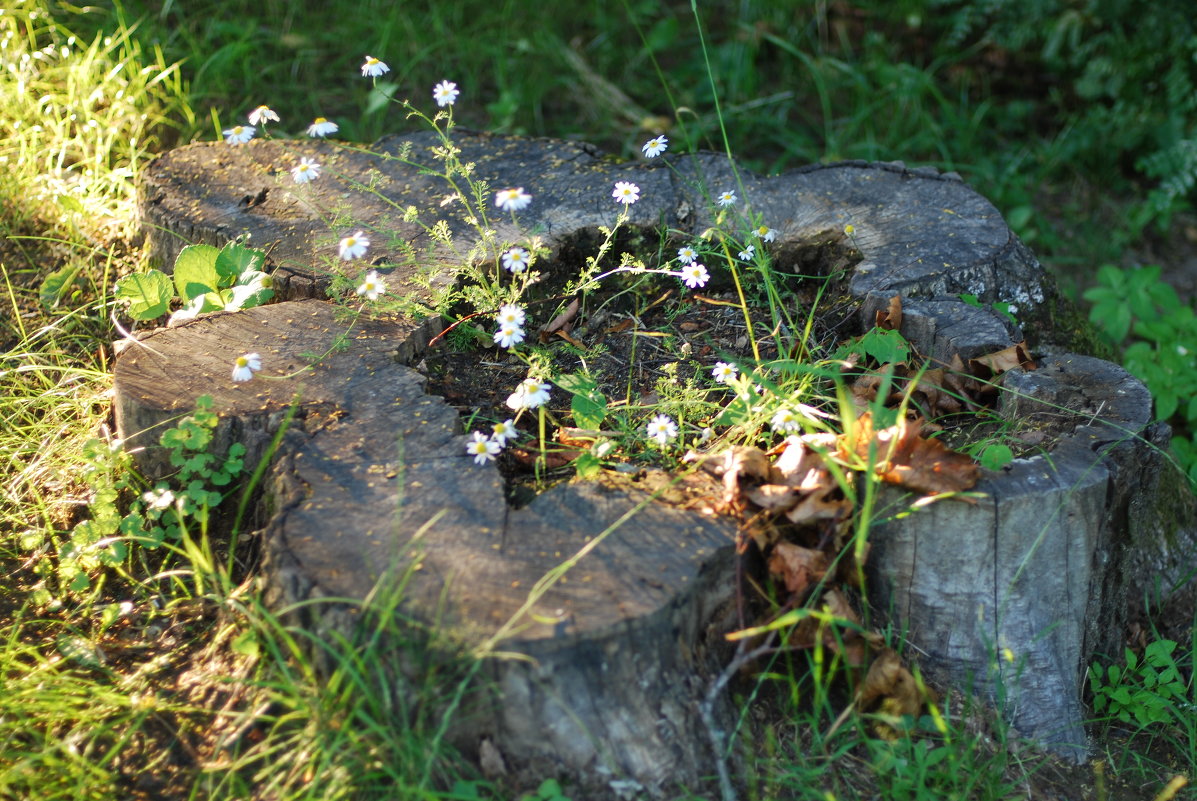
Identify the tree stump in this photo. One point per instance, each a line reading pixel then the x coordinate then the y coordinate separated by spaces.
pixel 375 478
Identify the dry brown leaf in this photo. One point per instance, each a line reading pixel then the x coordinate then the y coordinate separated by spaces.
pixel 936 398
pixel 799 568
pixel 561 322
pixel 773 497
pixel 891 688
pixel 1005 359
pixel 890 318
pixel 742 462
pixel 912 461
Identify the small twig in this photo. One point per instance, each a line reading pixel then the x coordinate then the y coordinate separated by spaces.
pixel 706 709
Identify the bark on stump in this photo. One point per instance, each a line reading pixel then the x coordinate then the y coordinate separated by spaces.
pixel 1041 567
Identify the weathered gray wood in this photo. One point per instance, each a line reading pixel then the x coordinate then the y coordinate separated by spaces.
pixel 1037 567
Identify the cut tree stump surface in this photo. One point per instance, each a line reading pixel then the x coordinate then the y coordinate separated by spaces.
pixel 374 477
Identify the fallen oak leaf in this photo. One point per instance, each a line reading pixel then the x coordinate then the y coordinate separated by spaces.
pixel 799 568
pixel 904 457
pixel 890 318
pixel 892 689
pixel 1006 359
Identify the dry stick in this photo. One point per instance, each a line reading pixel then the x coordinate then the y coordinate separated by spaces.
pixel 706 709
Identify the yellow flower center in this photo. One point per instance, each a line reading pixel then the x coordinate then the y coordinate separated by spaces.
pixel 242 361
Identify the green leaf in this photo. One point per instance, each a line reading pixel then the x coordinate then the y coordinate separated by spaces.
pixel 149 294
pixel 57 284
pixel 588 465
pixel 589 407
pixel 234 259
pixel 887 347
pixel 195 271
pixel 996 456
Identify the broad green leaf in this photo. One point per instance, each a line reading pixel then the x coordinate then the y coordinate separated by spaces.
pixel 588 465
pixel 56 284
pixel 996 456
pixel 149 294
pixel 246 297
pixel 234 259
pixel 887 347
pixel 588 405
pixel 195 271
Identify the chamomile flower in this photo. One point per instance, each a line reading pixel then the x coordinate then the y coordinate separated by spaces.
pixel 482 448
pixel 510 314
pixel 512 199
pixel 445 93
pixel 239 134
pixel 509 335
pixel 695 275
pixel 516 260
pixel 373 68
pixel 307 170
pixel 503 432
pixel 723 372
pixel 530 394
pixel 354 247
pixel 786 420
pixel 245 366
pixel 655 147
pixel 727 198
pixel 766 233
pixel 849 229
pixel 321 127
pixel 662 429
pixel 626 192
pixel 372 285
pixel 262 115
pixel 747 253
pixel 687 254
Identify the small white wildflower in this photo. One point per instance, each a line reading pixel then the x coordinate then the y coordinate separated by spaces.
pixel 695 275
pixel 662 429
pixel 445 93
pixel 748 253
pixel 849 229
pixel 786 420
pixel 687 254
pixel 512 199
pixel 510 314
pixel 373 68
pixel 262 115
pixel 626 192
pixel 723 372
pixel 354 247
pixel 655 147
pixel 529 394
pixel 706 435
pixel 509 335
pixel 766 233
pixel 516 260
pixel 727 198
pixel 159 498
pixel 245 366
pixel 503 432
pixel 482 448
pixel 322 127
pixel 372 285
pixel 239 134
pixel 307 170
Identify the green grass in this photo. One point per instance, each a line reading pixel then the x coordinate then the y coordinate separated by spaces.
pixel 88 96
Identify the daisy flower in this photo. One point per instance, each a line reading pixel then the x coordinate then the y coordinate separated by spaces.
pixel 626 192
pixel 510 314
pixel 373 68
pixel 354 247
pixel 662 429
pixel 655 147
pixel 482 448
pixel 503 432
pixel 239 134
pixel 509 335
pixel 786 420
pixel 723 372
pixel 766 233
pixel 747 253
pixel 695 275
pixel 322 127
pixel 512 199
pixel 529 394
pixel 849 229
pixel 516 260
pixel 445 93
pixel 687 254
pixel 245 366
pixel 372 286
pixel 727 198
pixel 307 170
pixel 262 115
